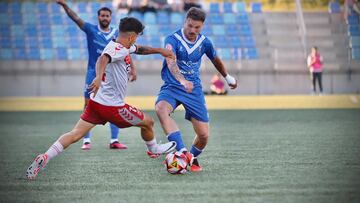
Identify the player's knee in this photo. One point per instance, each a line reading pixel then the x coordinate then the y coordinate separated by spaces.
pixel 149 122
pixel 203 137
pixel 161 111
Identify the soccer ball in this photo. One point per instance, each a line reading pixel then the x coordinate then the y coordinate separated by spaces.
pixel 176 163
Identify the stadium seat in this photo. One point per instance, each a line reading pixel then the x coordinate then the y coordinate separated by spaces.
pixel 232 30
pixel 207 30
pixel 28 7
pixel 46 43
pixel 252 53
pixel 216 19
pixel 242 18
pixel 334 7
pixel 6 54
pixel 74 42
pixel 245 30
pixel 59 42
pixel 355 53
pixel 214 8
pixel 57 31
pixel 14 7
pixel 225 53
pixel 56 19
pixel 41 7
pixel 54 8
pixel 82 7
pixel 16 19
pixel 355 41
pixel 19 54
pixel 240 7
pixel 176 18
pixel 229 18
pixel 150 18
pixel 354 30
pixel 31 31
pixel 154 41
pixel 218 30
pixel 33 54
pixel 4 7
pixel 17 30
pixel 137 15
pixel 5 42
pixel 163 18
pixel 151 30
pixel 61 54
pixel 248 42
pixel 94 6
pixel 4 18
pixel 166 29
pixel 227 6
pixel 353 19
pixel 43 19
pixel 256 7
pixel 220 41
pixel 46 54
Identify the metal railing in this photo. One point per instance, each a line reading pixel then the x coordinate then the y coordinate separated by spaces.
pixel 302 27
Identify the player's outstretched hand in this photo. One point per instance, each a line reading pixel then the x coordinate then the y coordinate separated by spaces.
pixel 132 75
pixel 188 85
pixel 233 86
pixel 95 85
pixel 167 54
pixel 231 81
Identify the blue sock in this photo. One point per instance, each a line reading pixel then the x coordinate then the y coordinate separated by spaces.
pixel 114 131
pixel 195 151
pixel 176 136
pixel 87 137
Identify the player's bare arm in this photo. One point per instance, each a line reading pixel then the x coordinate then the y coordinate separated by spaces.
pixel 133 73
pixel 219 65
pixel 101 63
pixel 145 50
pixel 175 71
pixel 71 13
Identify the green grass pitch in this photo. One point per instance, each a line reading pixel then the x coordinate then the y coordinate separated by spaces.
pixel 252 156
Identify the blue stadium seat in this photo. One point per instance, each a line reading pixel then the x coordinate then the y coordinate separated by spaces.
pixel 44 31
pixel 163 18
pixel 256 7
pixel 46 43
pixel 74 42
pixel 220 42
pixel 18 43
pixel 229 18
pixel 353 19
pixel 46 54
pixel 4 7
pixel 4 18
pixel 216 19
pixel 59 42
pixel 150 18
pixel 43 19
pixel 354 30
pixel 56 19
pixel 232 30
pixel 14 7
pixel 218 30
pixel 6 54
pixel 166 29
pixel 31 31
pixel 87 17
pixel 242 18
pixel 29 19
pixel 19 54
pixel 214 8
pixel 240 7
pixel 334 7
pixel 355 53
pixel 137 15
pixel 176 18
pixel 245 30
pixel 94 6
pixel 225 53
pixel 355 41
pixel 17 30
pixel 54 8
pixel 73 31
pixel 82 7
pixel 207 30
pixel 151 30
pixel 32 42
pixel 227 7
pixel 252 53
pixel 42 7
pixel 154 41
pixel 28 7
pixel 16 19
pixel 61 54
pixel 57 31
pixel 33 54
pixel 248 42
pixel 235 42
pixel 5 42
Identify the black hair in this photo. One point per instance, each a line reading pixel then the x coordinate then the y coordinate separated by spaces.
pixel 196 14
pixel 130 24
pixel 104 9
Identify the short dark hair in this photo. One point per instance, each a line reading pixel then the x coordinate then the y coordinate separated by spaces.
pixel 130 24
pixel 104 9
pixel 196 14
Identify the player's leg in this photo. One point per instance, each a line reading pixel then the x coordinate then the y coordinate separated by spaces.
pixel 320 82
pixel 313 80
pixel 86 141
pixel 201 139
pixel 114 142
pixel 64 141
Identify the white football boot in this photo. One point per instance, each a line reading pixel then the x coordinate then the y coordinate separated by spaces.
pixel 38 164
pixel 159 149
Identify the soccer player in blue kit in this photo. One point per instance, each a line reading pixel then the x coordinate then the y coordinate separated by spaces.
pixel 182 84
pixel 98 36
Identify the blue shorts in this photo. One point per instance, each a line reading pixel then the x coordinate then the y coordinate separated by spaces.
pixel 194 103
pixel 90 75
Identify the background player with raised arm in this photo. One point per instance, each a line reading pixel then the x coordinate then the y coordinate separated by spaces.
pixel 98 36
pixel 107 99
pixel 182 84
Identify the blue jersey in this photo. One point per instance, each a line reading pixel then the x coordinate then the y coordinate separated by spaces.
pixel 97 41
pixel 188 55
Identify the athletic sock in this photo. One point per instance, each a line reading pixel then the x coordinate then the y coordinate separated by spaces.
pixel 87 137
pixel 176 137
pixel 86 140
pixel 151 144
pixel 195 151
pixel 113 140
pixel 54 150
pixel 114 132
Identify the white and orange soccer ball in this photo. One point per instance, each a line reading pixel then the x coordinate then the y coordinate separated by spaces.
pixel 176 163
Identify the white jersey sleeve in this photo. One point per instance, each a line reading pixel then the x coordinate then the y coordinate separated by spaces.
pixel 115 51
pixel 133 49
